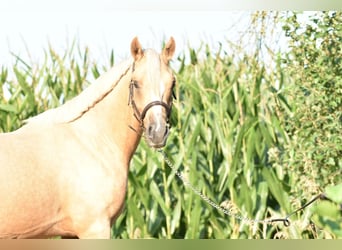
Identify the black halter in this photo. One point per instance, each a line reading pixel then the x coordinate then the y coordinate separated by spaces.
pixel 141 116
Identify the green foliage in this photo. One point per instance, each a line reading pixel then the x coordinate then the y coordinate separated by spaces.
pixel 315 66
pixel 33 88
pixel 334 193
pixel 258 138
pixel 315 94
pixel 327 215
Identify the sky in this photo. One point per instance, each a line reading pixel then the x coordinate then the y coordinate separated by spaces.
pixel 27 27
pixel 106 30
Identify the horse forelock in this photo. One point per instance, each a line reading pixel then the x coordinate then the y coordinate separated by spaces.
pixel 81 104
pixel 154 66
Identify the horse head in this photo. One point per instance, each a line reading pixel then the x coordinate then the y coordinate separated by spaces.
pixel 151 91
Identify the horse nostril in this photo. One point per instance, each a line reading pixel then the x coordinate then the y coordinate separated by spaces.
pixel 157 134
pixel 150 131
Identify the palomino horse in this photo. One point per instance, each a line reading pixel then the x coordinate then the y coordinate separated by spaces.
pixel 64 173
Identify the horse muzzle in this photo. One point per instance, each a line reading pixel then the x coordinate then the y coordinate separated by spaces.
pixel 157 127
pixel 156 134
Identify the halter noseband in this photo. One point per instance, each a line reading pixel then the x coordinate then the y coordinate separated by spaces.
pixel 141 116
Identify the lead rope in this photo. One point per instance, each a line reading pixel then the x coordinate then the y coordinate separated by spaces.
pixel 230 213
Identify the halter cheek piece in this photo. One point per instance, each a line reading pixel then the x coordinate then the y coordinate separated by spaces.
pixel 141 116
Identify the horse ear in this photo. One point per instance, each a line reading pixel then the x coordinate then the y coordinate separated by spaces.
pixel 136 49
pixel 169 50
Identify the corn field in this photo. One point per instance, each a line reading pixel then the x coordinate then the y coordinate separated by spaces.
pixel 236 137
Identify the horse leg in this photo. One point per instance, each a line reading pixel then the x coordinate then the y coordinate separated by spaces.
pixel 99 229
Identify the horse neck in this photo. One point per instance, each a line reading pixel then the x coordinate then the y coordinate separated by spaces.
pixel 112 120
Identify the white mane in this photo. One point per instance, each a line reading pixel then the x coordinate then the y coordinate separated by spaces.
pixel 76 107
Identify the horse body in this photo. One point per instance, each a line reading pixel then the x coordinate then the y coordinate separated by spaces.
pixel 53 186
pixel 64 173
